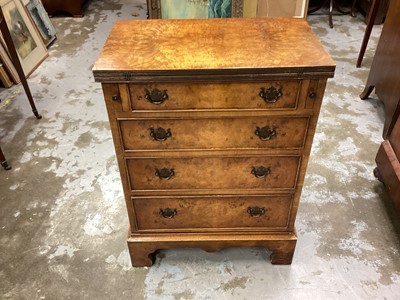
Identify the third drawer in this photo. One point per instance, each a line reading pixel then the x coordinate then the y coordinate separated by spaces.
pixel 212 173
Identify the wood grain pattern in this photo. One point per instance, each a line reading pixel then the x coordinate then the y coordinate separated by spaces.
pixel 214 133
pixel 174 47
pixel 213 213
pixel 238 95
pixel 195 187
pixel 193 173
pixel 388 171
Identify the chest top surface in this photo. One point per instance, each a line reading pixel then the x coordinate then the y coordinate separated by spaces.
pixel 212 46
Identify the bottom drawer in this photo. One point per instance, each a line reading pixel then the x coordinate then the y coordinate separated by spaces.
pixel 270 212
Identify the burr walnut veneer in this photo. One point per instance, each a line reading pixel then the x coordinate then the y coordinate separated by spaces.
pixel 212 122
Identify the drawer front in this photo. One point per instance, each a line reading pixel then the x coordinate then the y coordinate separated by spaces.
pixel 188 173
pixel 213 133
pixel 180 213
pixel 261 95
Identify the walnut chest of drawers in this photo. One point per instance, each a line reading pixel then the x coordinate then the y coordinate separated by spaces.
pixel 212 122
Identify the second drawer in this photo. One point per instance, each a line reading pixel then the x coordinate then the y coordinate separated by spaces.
pixel 214 133
pixel 196 173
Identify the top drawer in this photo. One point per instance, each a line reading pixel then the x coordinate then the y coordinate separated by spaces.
pixel 275 95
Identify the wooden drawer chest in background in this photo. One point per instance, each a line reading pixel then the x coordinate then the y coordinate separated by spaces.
pixel 73 7
pixel 213 122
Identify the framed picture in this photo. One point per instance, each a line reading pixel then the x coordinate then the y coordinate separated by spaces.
pixel 42 21
pixel 275 8
pixel 30 47
pixel 190 9
pixel 184 9
pixel 7 63
pixel 4 78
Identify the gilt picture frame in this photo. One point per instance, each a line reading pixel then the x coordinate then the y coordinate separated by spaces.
pixel 158 9
pixel 30 48
pixel 7 63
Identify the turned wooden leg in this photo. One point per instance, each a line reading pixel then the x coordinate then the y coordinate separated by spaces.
pixel 3 161
pixel 330 14
pixel 367 91
pixel 353 8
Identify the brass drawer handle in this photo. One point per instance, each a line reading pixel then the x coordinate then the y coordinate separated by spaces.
pixel 256 211
pixel 265 133
pixel 260 172
pixel 155 96
pixel 168 213
pixel 116 98
pixel 160 134
pixel 165 173
pixel 271 94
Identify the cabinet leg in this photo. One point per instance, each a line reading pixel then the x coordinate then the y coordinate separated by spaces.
pixel 141 256
pixel 5 165
pixel 283 254
pixel 367 91
pixel 377 174
pixel 371 20
pixel 330 14
pixel 142 248
pixel 3 161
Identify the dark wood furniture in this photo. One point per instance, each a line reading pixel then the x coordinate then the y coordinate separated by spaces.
pixel 18 67
pixel 370 23
pixel 384 76
pixel 365 7
pixel 212 129
pixel 3 161
pixel 388 163
pixel 73 7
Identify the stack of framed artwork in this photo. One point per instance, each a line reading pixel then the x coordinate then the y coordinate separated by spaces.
pixel 31 31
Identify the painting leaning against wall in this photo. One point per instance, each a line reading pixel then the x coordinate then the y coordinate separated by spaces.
pixel 30 48
pixel 22 38
pixel 199 9
pixel 41 19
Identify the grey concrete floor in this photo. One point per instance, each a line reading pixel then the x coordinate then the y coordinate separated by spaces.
pixel 63 222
